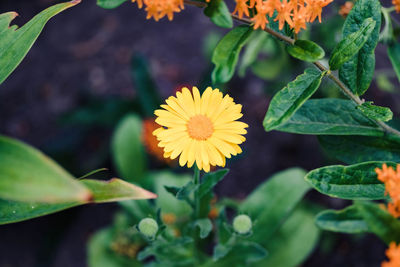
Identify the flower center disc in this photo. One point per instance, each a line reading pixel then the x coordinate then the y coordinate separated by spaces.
pixel 200 127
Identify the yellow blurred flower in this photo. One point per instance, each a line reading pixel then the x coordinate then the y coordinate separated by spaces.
pixel 396 4
pixel 345 9
pixel 391 179
pixel 150 141
pixel 393 254
pixel 201 129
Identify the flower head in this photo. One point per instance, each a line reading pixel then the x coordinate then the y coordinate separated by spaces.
pixel 157 9
pixel 391 179
pixel 151 142
pixel 393 254
pixel 396 4
pixel 201 129
pixel 345 9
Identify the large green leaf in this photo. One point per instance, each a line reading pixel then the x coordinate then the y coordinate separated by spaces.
pixel 26 174
pixel 15 43
pixel 226 54
pixel 102 191
pixel 379 221
pixel 271 202
pixel 330 117
pixel 358 72
pixel 219 13
pixel 349 46
pixel 101 255
pixel 127 149
pixel 394 56
pixel 348 220
pixel 306 50
pixel 288 100
pixel 110 4
pixel 293 242
pixel 351 150
pixel 357 181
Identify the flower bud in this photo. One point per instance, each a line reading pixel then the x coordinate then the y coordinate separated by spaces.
pixel 242 224
pixel 148 227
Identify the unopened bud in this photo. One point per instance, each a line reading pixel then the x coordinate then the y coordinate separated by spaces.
pixel 242 224
pixel 148 227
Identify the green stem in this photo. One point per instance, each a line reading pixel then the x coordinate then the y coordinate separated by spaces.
pixel 196 181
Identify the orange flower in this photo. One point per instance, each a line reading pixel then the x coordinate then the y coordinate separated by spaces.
pixel 396 4
pixel 157 9
pixel 241 8
pixel 345 9
pixel 139 3
pixel 391 179
pixel 169 218
pixel 393 254
pixel 314 9
pixel 284 10
pixel 150 141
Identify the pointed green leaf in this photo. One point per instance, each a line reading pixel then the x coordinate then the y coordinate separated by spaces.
pixel 15 43
pixel 379 221
pixel 288 100
pixel 330 117
pixel 26 174
pixel 110 4
pixel 219 13
pixel 102 191
pixel 205 227
pixel 348 220
pixel 376 112
pixel 210 180
pixel 127 149
pixel 226 54
pixel 306 50
pixel 357 181
pixel 358 72
pixel 351 150
pixel 351 45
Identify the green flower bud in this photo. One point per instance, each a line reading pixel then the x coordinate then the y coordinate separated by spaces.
pixel 148 227
pixel 242 224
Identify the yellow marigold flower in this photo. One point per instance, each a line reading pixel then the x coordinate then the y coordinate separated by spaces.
pixel 393 254
pixel 345 9
pixel 201 129
pixel 391 179
pixel 150 141
pixel 396 4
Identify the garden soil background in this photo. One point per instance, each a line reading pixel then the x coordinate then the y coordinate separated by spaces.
pixel 83 54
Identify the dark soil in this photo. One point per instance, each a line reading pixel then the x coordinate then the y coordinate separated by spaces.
pixel 85 53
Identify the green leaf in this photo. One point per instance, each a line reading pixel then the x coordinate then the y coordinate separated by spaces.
pixel 110 4
pixel 205 227
pixel 348 220
pixel 102 191
pixel 376 112
pixel 257 41
pixel 15 43
pixel 351 44
pixel 293 242
pixel 358 72
pixel 288 100
pixel 271 202
pixel 127 149
pixel 226 54
pixel 306 50
pixel 379 221
pixel 394 56
pixel 145 86
pixel 26 174
pixel 209 180
pixel 244 253
pixel 351 150
pixel 219 13
pixel 357 181
pixel 101 255
pixel 330 117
